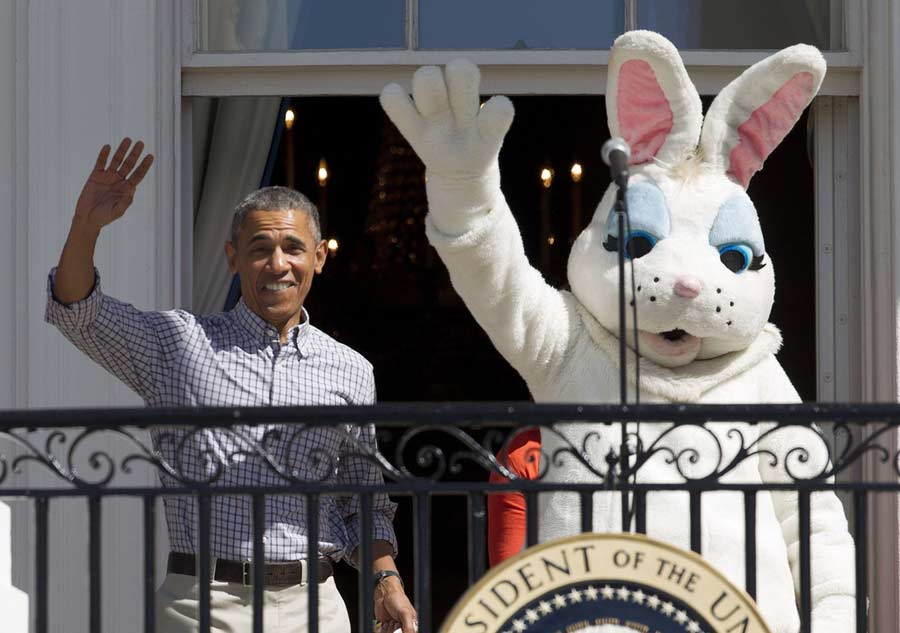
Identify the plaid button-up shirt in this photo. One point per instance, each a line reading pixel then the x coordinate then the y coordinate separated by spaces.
pixel 174 359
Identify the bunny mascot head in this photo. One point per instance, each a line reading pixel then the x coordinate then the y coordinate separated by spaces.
pixel 703 290
pixel 706 282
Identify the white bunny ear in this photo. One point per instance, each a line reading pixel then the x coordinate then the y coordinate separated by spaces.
pixel 650 100
pixel 754 113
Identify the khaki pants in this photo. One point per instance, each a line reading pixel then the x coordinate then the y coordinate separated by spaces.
pixel 284 609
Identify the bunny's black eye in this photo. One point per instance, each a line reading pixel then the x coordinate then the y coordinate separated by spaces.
pixel 739 257
pixel 639 244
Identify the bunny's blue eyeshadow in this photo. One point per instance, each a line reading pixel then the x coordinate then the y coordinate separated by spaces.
pixel 737 223
pixel 647 211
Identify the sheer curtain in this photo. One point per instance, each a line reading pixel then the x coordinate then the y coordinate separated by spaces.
pixel 235 25
pixel 232 140
pixel 240 132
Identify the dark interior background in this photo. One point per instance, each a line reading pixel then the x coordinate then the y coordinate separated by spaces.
pixel 385 293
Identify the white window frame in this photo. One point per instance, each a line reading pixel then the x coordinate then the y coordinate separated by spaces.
pixel 857 285
pixel 836 140
pixel 365 72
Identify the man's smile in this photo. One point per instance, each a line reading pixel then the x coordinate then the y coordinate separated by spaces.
pixel 278 286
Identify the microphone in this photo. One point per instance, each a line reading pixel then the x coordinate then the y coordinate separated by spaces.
pixel 615 153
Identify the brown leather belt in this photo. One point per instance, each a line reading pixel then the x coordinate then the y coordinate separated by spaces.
pixel 274 574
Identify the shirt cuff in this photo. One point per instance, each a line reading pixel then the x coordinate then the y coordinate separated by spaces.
pixel 73 316
pixel 382 530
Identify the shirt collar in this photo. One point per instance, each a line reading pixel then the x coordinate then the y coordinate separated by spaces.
pixel 259 329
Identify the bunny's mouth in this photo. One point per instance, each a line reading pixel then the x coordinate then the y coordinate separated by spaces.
pixel 675 342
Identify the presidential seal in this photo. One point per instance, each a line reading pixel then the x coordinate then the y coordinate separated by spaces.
pixel 605 583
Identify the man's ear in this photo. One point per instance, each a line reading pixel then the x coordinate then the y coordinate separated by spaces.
pixel 231 256
pixel 321 255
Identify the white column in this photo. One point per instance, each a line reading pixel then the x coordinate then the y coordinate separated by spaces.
pixel 73 76
pixel 880 285
pixel 13 602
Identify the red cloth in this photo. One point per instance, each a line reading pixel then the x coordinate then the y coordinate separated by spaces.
pixel 506 512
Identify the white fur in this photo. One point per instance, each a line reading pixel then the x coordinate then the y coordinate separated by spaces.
pixel 754 87
pixel 673 79
pixel 565 347
pixel 693 203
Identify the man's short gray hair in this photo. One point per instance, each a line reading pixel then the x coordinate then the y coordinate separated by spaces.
pixel 275 199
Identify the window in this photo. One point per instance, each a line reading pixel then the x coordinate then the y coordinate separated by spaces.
pixel 275 25
pixel 521 55
pixel 239 25
pixel 385 292
pixel 520 24
pixel 737 24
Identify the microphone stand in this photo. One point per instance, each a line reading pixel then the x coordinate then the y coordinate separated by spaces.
pixel 621 210
pixel 615 154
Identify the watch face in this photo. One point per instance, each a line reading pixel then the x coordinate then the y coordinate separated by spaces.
pixel 381 575
pixel 604 583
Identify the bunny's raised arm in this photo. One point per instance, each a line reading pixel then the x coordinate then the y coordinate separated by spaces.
pixel 469 222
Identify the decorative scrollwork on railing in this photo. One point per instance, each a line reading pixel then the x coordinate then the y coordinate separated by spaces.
pixel 59 454
pixel 697 453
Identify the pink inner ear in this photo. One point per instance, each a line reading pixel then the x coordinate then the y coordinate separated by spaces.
pixel 645 118
pixel 767 127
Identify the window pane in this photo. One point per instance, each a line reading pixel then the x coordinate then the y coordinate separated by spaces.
pixel 520 24
pixel 738 24
pixel 242 25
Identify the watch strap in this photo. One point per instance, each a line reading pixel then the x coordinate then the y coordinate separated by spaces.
pixel 382 574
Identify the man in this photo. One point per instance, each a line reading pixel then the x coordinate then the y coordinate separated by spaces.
pixel 264 352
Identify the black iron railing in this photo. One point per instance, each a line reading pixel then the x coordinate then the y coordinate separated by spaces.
pixel 430 452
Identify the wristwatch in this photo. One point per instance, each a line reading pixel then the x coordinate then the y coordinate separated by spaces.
pixel 381 575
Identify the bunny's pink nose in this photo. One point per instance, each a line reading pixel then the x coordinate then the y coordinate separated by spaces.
pixel 687 287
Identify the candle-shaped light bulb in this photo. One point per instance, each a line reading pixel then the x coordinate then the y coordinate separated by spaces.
pixel 333 245
pixel 576 172
pixel 289 118
pixel 322 173
pixel 546 177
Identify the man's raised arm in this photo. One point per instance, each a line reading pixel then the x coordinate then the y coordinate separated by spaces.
pixel 106 195
pixel 114 334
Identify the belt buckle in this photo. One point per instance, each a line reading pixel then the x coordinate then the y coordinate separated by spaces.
pixel 245 573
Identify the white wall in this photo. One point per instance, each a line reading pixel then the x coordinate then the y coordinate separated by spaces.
pixel 880 300
pixel 8 182
pixel 73 76
pixel 91 80
pixel 13 603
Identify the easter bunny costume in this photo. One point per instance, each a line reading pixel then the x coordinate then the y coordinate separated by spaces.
pixel 704 288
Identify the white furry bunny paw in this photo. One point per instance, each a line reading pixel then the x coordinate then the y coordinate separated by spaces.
pixel 458 140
